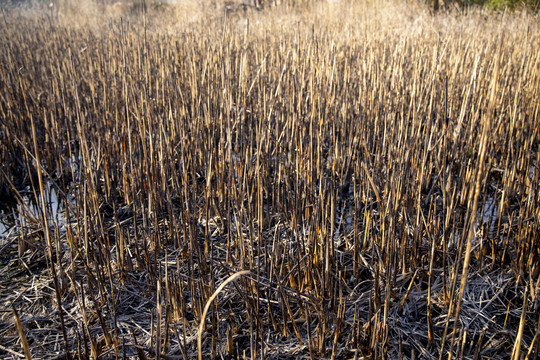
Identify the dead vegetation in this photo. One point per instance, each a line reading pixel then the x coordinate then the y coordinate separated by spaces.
pixel 367 176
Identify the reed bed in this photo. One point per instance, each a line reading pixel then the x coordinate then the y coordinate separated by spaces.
pixel 364 176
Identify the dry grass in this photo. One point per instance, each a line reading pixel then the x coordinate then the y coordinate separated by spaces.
pixel 372 169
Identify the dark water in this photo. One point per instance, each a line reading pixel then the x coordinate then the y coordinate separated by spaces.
pixel 28 212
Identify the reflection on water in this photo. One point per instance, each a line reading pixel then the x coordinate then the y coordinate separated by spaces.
pixel 3 227
pixel 489 214
pixel 486 216
pixel 28 212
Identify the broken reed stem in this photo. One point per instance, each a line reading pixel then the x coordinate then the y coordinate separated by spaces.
pixel 470 236
pixel 516 354
pixel 48 236
pixel 22 335
pixel 476 194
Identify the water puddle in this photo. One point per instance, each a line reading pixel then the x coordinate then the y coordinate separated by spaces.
pixel 4 227
pixel 486 221
pixel 489 213
pixel 26 214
